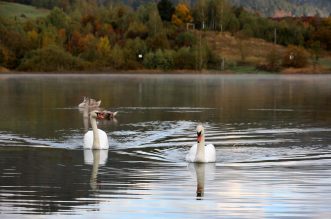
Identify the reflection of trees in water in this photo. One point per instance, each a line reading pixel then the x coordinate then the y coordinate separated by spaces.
pixel 47 176
pixel 34 100
pixel 58 179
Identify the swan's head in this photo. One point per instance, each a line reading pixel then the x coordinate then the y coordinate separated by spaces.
pixel 97 114
pixel 200 132
pixel 100 115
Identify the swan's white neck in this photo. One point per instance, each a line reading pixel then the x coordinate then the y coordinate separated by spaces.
pixel 96 140
pixel 200 155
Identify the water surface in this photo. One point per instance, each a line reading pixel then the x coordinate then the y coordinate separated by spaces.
pixel 271 132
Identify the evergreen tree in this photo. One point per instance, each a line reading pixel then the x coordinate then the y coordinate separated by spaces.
pixel 166 10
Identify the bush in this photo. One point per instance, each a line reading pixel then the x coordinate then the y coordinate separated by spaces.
pixel 273 62
pixel 186 39
pixel 160 60
pixel 149 61
pixel 137 29
pixel 51 58
pixel 296 57
pixel 214 61
pixel 132 50
pixel 184 58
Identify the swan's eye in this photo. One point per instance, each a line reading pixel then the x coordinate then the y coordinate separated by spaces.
pixel 199 133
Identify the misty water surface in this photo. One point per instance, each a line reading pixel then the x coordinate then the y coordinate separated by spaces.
pixel 272 134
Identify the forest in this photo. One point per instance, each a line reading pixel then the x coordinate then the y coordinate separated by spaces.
pixel 109 35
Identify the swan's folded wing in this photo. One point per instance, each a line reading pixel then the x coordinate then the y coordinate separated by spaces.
pixel 210 153
pixel 190 157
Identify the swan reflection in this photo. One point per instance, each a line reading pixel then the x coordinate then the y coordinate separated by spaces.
pixel 96 158
pixel 202 172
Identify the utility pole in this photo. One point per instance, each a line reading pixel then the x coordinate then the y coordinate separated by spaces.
pixel 275 36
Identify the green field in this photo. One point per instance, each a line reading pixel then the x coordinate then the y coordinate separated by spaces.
pixel 20 12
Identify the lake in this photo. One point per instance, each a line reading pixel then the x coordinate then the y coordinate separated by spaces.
pixel 272 134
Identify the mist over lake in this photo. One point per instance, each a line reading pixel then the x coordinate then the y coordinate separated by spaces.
pixel 271 134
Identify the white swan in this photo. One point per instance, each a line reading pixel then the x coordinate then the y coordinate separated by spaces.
pixel 96 139
pixel 200 153
pixel 89 102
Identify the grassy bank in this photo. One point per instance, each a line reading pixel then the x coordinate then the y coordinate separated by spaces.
pixel 20 12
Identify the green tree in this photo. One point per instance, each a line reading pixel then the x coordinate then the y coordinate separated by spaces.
pixel 137 29
pixel 103 46
pixel 200 12
pixel 185 58
pixel 186 39
pixel 58 18
pixel 315 52
pixel 117 57
pixel 51 58
pixel 133 49
pixel 161 59
pixel 154 23
pixel 166 10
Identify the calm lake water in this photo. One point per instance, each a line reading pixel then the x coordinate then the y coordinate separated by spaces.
pixel 272 134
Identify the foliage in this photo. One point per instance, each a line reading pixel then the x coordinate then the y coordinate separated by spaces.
pixel 273 62
pixel 58 18
pixel 51 58
pixel 166 9
pixel 94 33
pixel 137 29
pixel 295 56
pixel 158 41
pixel 182 15
pixel 117 59
pixel 185 58
pixel 161 59
pixel 186 39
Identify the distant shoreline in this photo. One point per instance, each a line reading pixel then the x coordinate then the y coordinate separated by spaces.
pixel 287 71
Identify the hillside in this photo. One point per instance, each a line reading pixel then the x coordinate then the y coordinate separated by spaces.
pixel 269 8
pixel 19 11
pixel 281 8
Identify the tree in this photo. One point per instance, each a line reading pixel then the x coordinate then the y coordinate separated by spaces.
pixel 187 39
pixel 154 22
pixel 200 13
pixel 137 29
pixel 161 59
pixel 184 58
pixel 295 56
pixel 158 41
pixel 166 10
pixel 132 49
pixel 51 58
pixel 58 18
pixel 103 48
pixel 117 58
pixel 182 15
pixel 315 52
pixel 33 39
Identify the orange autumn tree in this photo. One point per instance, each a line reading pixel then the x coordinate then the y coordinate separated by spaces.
pixel 182 15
